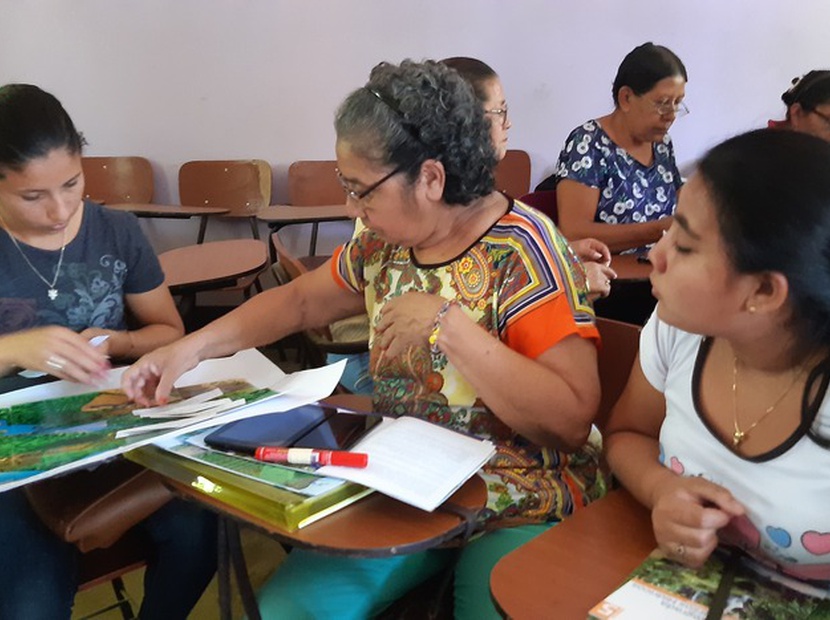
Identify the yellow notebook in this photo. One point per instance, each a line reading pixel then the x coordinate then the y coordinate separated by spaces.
pixel 283 508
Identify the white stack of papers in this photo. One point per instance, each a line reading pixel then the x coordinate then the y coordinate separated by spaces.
pixel 415 461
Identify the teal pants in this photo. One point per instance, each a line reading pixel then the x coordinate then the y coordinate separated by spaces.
pixel 311 585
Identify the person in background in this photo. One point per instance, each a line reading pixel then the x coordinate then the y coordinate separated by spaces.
pixel 616 178
pixel 480 322
pixel 724 425
pixel 595 255
pixel 73 270
pixel 808 105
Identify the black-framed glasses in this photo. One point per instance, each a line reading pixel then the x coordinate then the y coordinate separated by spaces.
pixel 822 116
pixel 665 108
pixel 500 112
pixel 358 196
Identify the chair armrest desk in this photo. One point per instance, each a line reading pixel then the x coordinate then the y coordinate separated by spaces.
pixel 565 571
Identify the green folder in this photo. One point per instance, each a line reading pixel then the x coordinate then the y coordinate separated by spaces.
pixel 282 508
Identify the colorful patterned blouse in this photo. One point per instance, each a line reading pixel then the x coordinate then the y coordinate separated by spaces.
pixel 630 193
pixel 518 282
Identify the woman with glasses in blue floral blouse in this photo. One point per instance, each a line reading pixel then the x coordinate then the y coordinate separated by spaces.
pixel 616 179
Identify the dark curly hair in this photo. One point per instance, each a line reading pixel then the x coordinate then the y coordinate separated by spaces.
pixel 32 123
pixel 415 111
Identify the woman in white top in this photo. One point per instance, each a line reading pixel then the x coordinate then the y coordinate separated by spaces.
pixel 723 430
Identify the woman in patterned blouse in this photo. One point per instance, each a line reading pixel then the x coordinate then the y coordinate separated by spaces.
pixel 619 169
pixel 479 322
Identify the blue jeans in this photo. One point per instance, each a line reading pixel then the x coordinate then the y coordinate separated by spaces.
pixel 39 572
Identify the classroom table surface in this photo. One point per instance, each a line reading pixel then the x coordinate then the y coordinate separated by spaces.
pixel 213 265
pixel 629 268
pixel 375 526
pixel 167 211
pixel 565 571
pixel 278 216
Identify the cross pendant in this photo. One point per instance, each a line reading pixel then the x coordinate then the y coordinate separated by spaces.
pixel 53 294
pixel 737 438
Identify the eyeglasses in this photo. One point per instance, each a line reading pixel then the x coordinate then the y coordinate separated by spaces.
pixel 358 196
pixel 502 112
pixel 666 108
pixel 822 116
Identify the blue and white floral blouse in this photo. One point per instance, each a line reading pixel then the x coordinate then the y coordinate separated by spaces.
pixel 630 193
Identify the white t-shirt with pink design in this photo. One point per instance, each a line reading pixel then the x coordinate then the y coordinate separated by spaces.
pixel 786 492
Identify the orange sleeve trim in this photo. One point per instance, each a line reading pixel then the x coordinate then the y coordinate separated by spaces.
pixel 535 332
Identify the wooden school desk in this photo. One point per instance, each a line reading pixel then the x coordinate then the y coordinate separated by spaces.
pixel 173 212
pixel 571 567
pixel 630 300
pixel 375 526
pixel 210 266
pixel 629 269
pixel 166 211
pixel 279 216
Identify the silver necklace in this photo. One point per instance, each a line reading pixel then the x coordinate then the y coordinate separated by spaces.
pixel 53 292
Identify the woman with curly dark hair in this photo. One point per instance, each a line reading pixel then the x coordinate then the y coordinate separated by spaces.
pixel 478 323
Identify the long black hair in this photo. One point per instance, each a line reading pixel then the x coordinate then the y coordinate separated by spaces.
pixel 32 123
pixel 771 194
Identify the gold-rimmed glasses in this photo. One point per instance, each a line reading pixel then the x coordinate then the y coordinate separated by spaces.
pixel 500 112
pixel 666 108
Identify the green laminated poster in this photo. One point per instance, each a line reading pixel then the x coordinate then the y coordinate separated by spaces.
pixel 47 437
pixel 730 586
pixel 246 491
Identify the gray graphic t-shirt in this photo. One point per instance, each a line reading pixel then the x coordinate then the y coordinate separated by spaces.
pixel 107 259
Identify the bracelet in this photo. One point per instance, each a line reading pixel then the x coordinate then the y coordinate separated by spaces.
pixel 436 326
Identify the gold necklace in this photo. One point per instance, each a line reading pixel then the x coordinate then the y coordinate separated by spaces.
pixel 53 292
pixel 738 435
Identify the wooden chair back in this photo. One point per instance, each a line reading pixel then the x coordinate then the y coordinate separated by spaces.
pixel 110 565
pixel 113 180
pixel 243 186
pixel 314 183
pixel 620 344
pixel 513 173
pixel 544 201
pixel 345 336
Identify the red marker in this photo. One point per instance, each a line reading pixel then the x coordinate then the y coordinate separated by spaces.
pixel 310 456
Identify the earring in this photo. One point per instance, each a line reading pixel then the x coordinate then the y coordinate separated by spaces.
pixel 752 309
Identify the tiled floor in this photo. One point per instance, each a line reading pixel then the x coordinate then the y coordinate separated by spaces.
pixel 262 555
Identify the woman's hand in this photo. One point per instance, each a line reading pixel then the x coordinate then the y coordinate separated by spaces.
pixel 687 514
pixel 407 321
pixel 598 279
pixel 590 249
pixel 148 382
pixel 114 342
pixel 57 351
